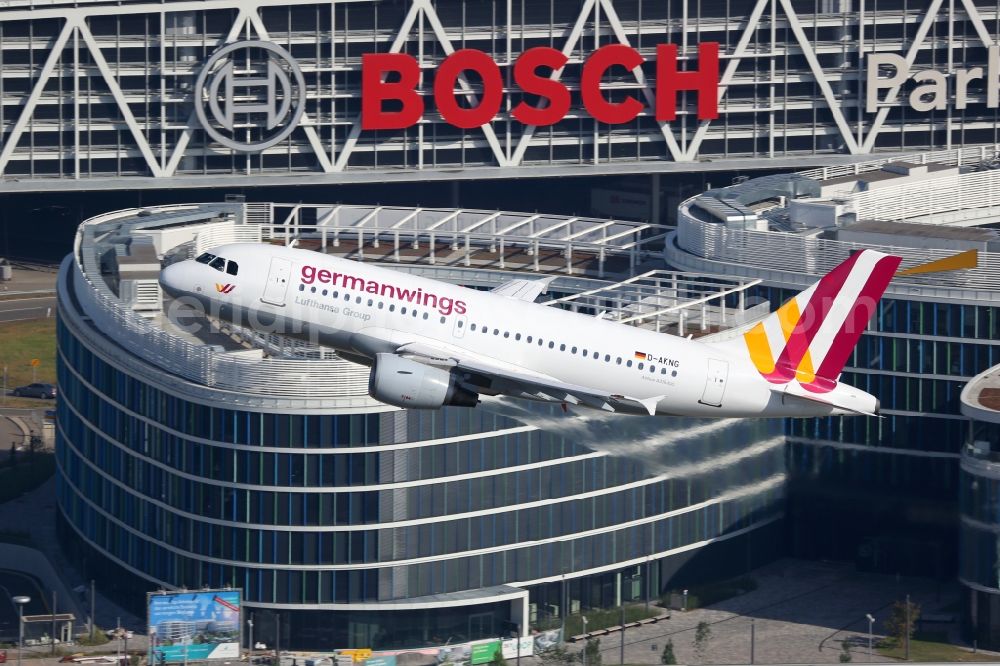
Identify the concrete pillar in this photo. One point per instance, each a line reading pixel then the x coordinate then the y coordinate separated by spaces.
pixel 519 613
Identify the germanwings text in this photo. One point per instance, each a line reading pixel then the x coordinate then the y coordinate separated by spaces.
pixel 443 304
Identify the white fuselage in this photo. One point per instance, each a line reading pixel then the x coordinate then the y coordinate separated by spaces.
pixel 362 309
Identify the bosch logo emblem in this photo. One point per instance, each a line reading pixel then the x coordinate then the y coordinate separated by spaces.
pixel 250 95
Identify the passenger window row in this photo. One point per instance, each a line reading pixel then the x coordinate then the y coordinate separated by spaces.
pixel 403 310
pixel 530 339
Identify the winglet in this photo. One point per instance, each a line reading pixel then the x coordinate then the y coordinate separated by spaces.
pixel 524 290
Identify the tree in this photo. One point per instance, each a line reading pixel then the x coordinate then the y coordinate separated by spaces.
pixel 896 625
pixel 498 659
pixel 667 657
pixel 592 650
pixel 702 633
pixel 557 655
pixel 845 653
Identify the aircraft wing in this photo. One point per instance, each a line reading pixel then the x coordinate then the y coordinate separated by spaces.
pixel 494 378
pixel 524 290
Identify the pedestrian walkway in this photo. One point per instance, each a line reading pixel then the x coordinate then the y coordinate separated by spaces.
pixel 800 613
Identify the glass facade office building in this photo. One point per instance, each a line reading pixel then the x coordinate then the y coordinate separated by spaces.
pixel 980 508
pixel 887 488
pixel 137 94
pixel 902 493
pixel 364 526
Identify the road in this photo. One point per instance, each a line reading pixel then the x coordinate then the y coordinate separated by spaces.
pixel 32 307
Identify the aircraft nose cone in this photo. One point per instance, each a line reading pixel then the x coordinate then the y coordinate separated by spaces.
pixel 171 280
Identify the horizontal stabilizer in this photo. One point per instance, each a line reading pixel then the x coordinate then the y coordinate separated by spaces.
pixel 794 390
pixel 958 262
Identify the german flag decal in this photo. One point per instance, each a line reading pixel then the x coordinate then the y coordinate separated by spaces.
pixel 640 356
pixel 224 288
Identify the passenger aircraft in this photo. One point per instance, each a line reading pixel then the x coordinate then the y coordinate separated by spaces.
pixel 431 343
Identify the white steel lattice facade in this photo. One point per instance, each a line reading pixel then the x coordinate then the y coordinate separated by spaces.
pixel 101 92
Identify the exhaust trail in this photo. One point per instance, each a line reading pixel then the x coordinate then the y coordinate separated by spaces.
pixel 717 463
pixel 659 442
pixel 585 421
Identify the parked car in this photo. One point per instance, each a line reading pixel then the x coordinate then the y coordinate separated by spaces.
pixel 47 391
pixel 107 660
pixel 114 633
pixel 3 656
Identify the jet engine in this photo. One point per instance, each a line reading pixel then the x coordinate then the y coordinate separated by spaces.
pixel 404 383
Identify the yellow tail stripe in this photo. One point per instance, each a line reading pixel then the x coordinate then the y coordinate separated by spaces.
pixel 806 372
pixel 788 317
pixel 760 349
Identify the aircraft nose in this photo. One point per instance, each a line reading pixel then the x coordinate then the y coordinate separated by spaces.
pixel 174 280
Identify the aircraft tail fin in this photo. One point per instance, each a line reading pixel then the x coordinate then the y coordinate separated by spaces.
pixel 810 338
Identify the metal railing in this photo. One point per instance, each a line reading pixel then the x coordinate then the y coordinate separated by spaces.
pixel 935 196
pixel 667 301
pixel 971 156
pixel 966 195
pixel 794 253
pixel 468 232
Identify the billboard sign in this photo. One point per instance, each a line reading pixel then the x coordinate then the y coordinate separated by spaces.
pixel 382 660
pixel 483 653
pixel 195 626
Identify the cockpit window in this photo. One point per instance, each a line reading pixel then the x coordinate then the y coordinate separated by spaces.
pixel 232 268
pixel 218 264
pixel 205 258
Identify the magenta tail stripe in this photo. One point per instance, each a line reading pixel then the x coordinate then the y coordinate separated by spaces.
pixel 855 323
pixel 812 317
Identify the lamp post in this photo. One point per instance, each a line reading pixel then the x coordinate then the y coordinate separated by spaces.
pixel 909 629
pixel 151 659
pixel 519 644
pixel 250 651
pixel 871 623
pixel 20 601
pixel 585 640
